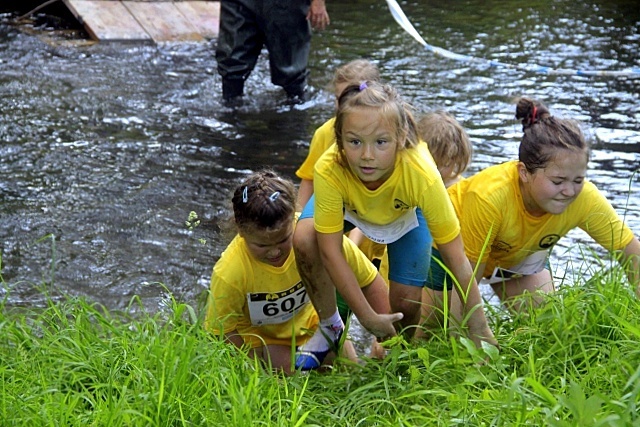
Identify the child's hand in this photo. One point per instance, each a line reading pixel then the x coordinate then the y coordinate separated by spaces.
pixel 382 325
pixel 484 334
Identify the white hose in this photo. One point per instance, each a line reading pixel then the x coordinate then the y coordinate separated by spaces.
pixel 404 22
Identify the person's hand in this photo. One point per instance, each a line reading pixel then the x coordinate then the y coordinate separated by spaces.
pixel 377 350
pixel 485 335
pixel 318 16
pixel 382 324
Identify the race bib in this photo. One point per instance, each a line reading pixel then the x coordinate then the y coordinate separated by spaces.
pixel 387 233
pixel 532 264
pixel 269 308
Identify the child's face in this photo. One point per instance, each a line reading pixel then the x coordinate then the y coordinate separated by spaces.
pixel 552 189
pixel 369 146
pixel 270 246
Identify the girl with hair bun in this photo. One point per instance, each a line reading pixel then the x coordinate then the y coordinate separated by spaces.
pixel 512 214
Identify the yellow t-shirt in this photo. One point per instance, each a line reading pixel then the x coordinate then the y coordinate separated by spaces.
pixel 491 200
pixel 322 139
pixel 257 299
pixel 414 182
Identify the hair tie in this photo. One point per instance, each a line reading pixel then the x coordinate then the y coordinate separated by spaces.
pixel 273 197
pixel 363 86
pixel 533 115
pixel 245 194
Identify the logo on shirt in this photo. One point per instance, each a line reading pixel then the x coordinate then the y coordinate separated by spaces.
pixel 549 240
pixel 500 246
pixel 400 205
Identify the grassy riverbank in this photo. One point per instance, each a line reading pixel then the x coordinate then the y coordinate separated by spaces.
pixel 574 362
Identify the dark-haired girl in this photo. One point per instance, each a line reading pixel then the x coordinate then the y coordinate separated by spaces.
pixel 256 299
pixel 512 214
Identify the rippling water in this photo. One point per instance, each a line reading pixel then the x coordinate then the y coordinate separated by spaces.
pixel 106 148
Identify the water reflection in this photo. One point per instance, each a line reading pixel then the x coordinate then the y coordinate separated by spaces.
pixel 106 148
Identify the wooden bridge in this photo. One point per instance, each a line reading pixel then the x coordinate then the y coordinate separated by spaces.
pixel 148 20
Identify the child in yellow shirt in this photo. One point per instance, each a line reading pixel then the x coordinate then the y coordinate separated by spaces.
pixel 380 178
pixel 448 143
pixel 512 214
pixel 257 300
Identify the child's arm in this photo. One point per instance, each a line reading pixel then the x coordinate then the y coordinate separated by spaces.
pixel 456 260
pixel 381 325
pixel 305 191
pixel 479 270
pixel 631 255
pixel 356 236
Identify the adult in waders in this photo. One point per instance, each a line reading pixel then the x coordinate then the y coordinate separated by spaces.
pixel 283 27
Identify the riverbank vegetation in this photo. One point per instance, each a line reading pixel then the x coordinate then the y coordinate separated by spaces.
pixel 573 362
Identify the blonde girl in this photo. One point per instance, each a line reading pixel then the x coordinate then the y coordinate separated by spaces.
pixel 324 137
pixel 352 72
pixel 381 179
pixel 448 143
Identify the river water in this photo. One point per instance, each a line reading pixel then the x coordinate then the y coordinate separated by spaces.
pixel 105 149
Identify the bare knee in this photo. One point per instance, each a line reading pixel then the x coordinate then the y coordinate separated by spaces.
pixel 527 291
pixel 432 308
pixel 305 244
pixel 407 300
pixel 305 247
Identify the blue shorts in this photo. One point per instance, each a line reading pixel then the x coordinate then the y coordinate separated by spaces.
pixel 437 274
pixel 409 256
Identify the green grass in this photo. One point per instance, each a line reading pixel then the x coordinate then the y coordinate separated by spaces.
pixel 573 362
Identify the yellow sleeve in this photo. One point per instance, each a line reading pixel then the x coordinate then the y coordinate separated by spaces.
pixel 224 307
pixel 328 211
pixel 480 223
pixel 603 224
pixel 322 139
pixel 440 214
pixel 363 269
pixel 430 193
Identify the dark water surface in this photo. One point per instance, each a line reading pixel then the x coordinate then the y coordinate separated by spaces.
pixel 106 148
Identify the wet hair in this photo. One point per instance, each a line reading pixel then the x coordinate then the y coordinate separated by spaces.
pixel 544 134
pixel 264 200
pixel 356 71
pixel 384 98
pixel 448 142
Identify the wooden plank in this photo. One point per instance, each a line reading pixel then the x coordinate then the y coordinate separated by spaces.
pixel 203 15
pixel 107 20
pixel 163 22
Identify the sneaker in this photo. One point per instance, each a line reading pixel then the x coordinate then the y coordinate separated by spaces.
pixel 307 360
